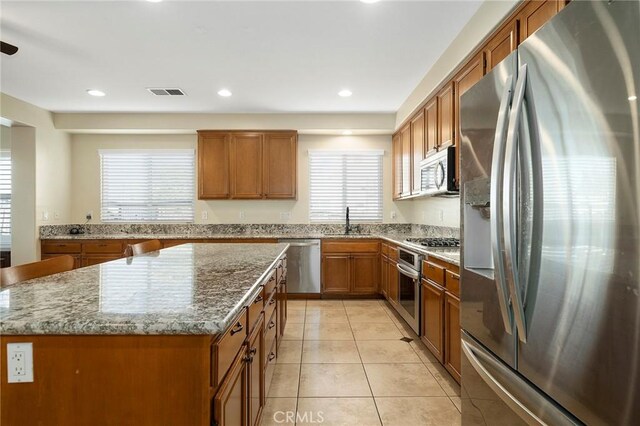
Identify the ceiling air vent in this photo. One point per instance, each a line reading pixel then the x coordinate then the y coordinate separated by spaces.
pixel 166 92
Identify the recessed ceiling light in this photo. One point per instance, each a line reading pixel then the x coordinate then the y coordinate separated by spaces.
pixel 347 132
pixel 633 97
pixel 345 93
pixel 369 1
pixel 225 93
pixel 95 92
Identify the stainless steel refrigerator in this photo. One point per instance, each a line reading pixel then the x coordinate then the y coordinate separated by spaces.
pixel 550 170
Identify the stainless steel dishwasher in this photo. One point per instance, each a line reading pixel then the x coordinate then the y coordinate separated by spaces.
pixel 303 266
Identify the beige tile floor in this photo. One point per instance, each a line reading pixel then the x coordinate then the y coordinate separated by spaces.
pixel 343 363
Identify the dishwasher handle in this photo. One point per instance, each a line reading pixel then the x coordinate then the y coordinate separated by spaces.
pixel 303 244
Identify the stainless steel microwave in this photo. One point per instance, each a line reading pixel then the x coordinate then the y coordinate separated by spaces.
pixel 438 173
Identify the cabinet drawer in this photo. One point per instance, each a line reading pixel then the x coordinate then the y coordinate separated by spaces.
pixel 270 285
pixel 452 283
pixel 270 305
pixel 103 247
pixel 270 331
pixel 254 309
pixel 226 349
pixel 385 249
pixel 350 246
pixel 393 252
pixel 61 247
pixel 433 272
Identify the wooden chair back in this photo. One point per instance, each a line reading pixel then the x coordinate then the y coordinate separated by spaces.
pixel 144 247
pixel 54 265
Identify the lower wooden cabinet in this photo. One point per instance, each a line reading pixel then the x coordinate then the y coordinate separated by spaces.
pixel 351 267
pixel 384 276
pixel 365 273
pixel 433 318
pixel 230 403
pixel 335 273
pixel 452 355
pixel 95 260
pixel 393 282
pixel 255 373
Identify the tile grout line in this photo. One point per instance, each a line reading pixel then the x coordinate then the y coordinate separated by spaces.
pixel 375 404
pixel 304 323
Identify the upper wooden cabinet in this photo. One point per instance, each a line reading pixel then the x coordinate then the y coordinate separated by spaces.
pixel 280 176
pixel 536 13
pixel 213 166
pixel 397 165
pixel 418 143
pixel 405 135
pixel 247 165
pixel 501 44
pixel 446 119
pixel 431 127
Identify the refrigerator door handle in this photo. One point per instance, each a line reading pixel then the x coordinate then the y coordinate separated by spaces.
pixel 509 212
pixel 495 203
pixel 520 396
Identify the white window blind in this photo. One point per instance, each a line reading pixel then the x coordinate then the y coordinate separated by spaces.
pixel 340 179
pixel 5 196
pixel 147 185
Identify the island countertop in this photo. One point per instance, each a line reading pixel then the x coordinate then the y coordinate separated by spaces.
pixel 188 289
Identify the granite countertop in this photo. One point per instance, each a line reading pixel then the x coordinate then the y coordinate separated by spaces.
pixel 187 289
pixel 451 255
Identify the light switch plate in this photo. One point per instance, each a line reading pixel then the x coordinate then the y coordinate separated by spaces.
pixel 204 215
pixel 19 362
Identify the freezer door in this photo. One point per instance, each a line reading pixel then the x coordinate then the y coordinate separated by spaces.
pixel 485 312
pixel 582 306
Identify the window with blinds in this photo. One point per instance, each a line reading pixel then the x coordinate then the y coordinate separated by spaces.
pixel 339 179
pixel 5 198
pixel 147 185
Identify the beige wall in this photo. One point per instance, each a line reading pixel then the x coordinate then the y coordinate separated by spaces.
pixel 86 178
pixel 24 236
pixel 52 163
pixel 436 211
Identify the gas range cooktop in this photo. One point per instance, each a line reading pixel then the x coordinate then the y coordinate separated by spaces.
pixel 435 242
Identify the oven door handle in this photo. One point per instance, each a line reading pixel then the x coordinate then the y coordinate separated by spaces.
pixel 408 272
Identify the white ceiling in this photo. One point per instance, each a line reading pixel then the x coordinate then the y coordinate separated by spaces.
pixel 275 56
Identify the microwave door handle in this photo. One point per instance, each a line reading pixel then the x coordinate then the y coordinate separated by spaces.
pixel 495 205
pixel 509 206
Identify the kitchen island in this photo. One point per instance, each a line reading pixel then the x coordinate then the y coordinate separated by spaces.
pixel 177 336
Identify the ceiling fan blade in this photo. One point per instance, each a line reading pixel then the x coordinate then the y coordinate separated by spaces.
pixel 8 49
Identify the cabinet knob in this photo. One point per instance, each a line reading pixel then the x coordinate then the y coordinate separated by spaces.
pixel 272 356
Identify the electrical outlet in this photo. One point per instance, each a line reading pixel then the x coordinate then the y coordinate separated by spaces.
pixel 204 215
pixel 19 362
pixel 242 215
pixel 285 216
pixel 89 215
pixel 441 215
pixel 45 215
pixel 394 215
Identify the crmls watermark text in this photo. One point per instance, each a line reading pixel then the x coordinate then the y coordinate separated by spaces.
pixel 312 417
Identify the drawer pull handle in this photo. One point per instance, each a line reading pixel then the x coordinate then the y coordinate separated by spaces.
pixel 253 351
pixel 271 325
pixel 272 356
pixel 258 299
pixel 272 301
pixel 248 359
pixel 238 328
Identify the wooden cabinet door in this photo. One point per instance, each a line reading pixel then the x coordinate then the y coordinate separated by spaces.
pixel 452 335
pixel 393 282
pixel 213 165
pixel 97 259
pixel 365 273
pixel 384 276
pixel 446 136
pixel 433 318
pixel 255 373
pixel 463 81
pixel 535 14
pixel 431 127
pixel 397 165
pixel 279 165
pixel 336 273
pixel 417 142
pixel 405 135
pixel 230 403
pixel 501 44
pixel 246 165
pixel 77 259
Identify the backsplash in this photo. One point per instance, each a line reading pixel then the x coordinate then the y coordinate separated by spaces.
pixel 206 230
